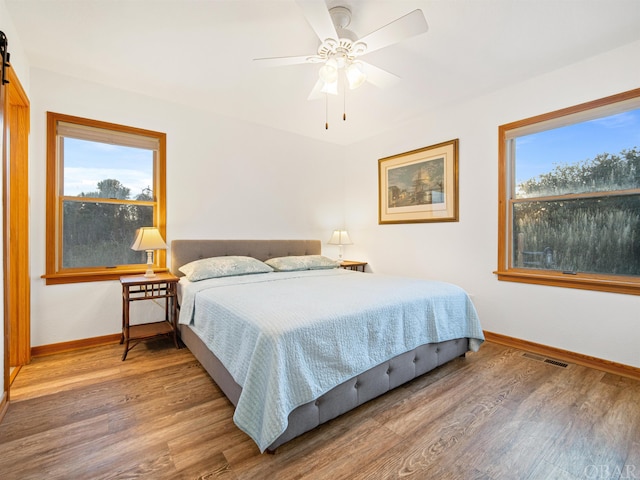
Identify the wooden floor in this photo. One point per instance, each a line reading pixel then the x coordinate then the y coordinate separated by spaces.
pixel 492 415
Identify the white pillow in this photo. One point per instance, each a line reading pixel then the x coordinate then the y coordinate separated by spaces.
pixel 301 262
pixel 223 267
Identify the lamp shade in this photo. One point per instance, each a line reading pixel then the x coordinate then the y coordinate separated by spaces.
pixel 329 72
pixel 340 237
pixel 330 87
pixel 355 75
pixel 148 238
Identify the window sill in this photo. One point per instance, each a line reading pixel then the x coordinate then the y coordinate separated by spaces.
pixel 81 277
pixel 626 285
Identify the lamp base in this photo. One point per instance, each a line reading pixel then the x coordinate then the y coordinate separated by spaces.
pixel 149 273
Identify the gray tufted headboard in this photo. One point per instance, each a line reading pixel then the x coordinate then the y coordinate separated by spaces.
pixel 185 251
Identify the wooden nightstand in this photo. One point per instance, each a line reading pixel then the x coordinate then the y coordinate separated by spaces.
pixel 353 265
pixel 139 287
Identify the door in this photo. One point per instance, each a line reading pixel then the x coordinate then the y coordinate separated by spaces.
pixel 17 297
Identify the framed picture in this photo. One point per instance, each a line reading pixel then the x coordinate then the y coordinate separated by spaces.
pixel 420 185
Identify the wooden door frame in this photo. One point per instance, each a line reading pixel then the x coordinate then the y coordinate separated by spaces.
pixel 17 302
pixel 4 400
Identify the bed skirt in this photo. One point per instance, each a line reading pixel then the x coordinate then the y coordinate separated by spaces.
pixel 346 396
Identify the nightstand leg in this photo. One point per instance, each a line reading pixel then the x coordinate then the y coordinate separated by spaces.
pixel 122 330
pixel 174 315
pixel 125 322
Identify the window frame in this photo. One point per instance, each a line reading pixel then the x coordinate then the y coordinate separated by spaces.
pixel 55 273
pixel 505 271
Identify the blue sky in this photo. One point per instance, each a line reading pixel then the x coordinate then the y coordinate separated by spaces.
pixel 87 163
pixel 541 152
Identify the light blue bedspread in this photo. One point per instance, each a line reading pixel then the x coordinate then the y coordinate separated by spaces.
pixel 289 337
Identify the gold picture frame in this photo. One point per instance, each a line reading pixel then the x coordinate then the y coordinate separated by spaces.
pixel 420 185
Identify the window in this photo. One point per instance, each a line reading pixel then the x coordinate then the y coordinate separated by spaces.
pixel 569 197
pixel 104 181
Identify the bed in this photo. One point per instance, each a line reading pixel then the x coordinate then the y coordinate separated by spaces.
pixel 293 349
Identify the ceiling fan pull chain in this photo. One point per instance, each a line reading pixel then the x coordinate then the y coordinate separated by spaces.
pixel 344 103
pixel 326 111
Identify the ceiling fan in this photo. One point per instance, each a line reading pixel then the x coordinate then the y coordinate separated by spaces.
pixel 340 49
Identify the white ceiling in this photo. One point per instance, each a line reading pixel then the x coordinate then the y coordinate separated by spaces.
pixel 200 53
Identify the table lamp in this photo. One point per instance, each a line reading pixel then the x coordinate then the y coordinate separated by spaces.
pixel 340 238
pixel 148 239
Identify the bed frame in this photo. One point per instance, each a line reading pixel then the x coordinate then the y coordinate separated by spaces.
pixel 344 397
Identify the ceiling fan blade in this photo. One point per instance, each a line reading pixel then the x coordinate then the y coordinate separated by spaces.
pixel 410 25
pixel 379 77
pixel 281 61
pixel 318 17
pixel 316 92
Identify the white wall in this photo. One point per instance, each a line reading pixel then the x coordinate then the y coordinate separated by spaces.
pixel 602 325
pixel 225 179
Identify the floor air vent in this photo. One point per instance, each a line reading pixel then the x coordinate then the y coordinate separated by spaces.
pixel 550 361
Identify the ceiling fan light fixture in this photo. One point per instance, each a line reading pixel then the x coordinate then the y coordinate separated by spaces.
pixel 330 87
pixel 329 71
pixel 355 74
pixel 341 59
